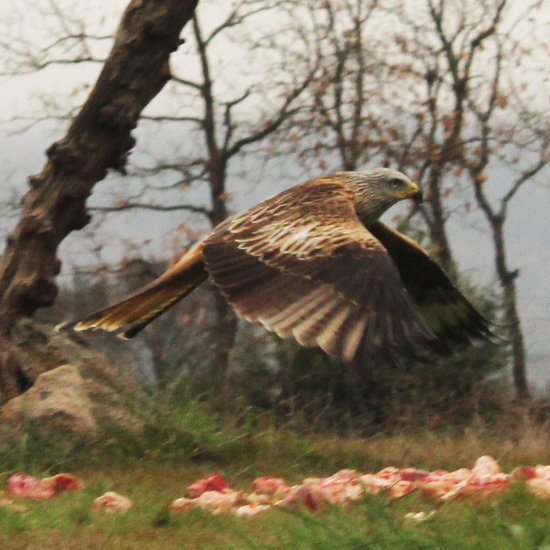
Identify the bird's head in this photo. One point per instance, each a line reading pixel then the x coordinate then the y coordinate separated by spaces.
pixel 381 188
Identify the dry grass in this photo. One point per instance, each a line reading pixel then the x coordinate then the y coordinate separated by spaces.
pixel 516 439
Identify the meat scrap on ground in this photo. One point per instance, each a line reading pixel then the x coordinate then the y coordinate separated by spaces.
pixel 485 479
pixel 112 502
pixel 212 494
pixel 26 486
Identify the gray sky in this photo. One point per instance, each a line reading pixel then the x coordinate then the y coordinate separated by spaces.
pixel 528 235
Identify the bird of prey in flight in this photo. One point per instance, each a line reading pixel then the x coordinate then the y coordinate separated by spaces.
pixel 315 263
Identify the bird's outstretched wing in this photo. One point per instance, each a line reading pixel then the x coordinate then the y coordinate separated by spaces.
pixel 304 265
pixel 446 311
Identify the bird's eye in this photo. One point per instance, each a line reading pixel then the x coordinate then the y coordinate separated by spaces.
pixel 396 182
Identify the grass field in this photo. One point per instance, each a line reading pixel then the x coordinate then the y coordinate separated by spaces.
pixel 514 520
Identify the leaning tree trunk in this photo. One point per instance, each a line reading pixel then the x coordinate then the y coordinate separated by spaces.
pixel 99 138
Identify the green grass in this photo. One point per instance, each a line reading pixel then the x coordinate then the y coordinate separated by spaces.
pixel 514 520
pixel 183 442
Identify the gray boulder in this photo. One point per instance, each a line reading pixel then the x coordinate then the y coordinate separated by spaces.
pixel 65 406
pixel 57 404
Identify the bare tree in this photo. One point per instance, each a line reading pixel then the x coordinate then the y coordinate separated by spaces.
pixel 336 126
pixel 97 140
pixel 521 133
pixel 429 88
pixel 490 126
pixel 221 121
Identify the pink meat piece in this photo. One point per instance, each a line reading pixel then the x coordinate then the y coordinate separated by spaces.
pixel 212 482
pixel 401 488
pixel 484 479
pixel 540 487
pixel 342 486
pixel 181 504
pixel 542 472
pixel 412 474
pixel 26 486
pixel 218 502
pixel 317 494
pixel 374 484
pixel 398 482
pixel 247 510
pixel 389 472
pixel 486 466
pixel 112 502
pixel 440 484
pixel 524 472
pixel 270 485
pixel 23 485
pixel 64 482
pixel 308 494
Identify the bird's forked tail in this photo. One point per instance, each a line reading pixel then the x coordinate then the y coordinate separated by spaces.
pixel 138 310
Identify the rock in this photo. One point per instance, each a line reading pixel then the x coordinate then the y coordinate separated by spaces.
pixel 39 349
pixel 65 403
pixel 108 408
pixel 81 400
pixel 57 405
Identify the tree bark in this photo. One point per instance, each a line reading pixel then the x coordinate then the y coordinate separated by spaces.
pixel 437 222
pixel 226 319
pixel 507 281
pixel 519 364
pixel 98 139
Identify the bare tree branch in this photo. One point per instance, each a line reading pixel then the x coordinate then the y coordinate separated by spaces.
pixel 148 206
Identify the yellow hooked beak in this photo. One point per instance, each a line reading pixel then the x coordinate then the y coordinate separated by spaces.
pixel 414 192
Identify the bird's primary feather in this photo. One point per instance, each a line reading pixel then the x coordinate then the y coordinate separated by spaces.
pixel 446 311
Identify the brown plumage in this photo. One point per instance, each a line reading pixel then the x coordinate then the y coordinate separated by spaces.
pixel 315 263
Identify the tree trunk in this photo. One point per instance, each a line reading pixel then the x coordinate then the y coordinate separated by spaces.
pixel 507 280
pixel 519 363
pixel 226 332
pixel 99 138
pixel 437 223
pixel 226 320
